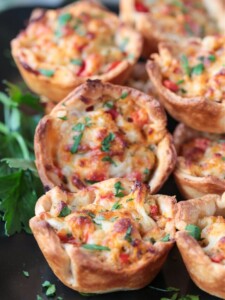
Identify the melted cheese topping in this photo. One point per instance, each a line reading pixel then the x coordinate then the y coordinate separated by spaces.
pixel 79 40
pixel 178 19
pixel 113 139
pixel 213 235
pixel 123 223
pixel 205 157
pixel 195 68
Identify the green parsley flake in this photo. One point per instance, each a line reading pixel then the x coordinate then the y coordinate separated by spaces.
pixel 198 69
pixel 50 288
pixel 185 65
pixel 64 19
pixel 130 199
pixel 124 95
pixel 63 118
pixel 116 206
pixel 46 73
pixel 146 171
pixel 128 234
pixel 107 141
pixel 79 127
pixel 90 181
pixel 65 211
pixel 76 143
pixel 59 298
pixel 223 158
pixel 212 58
pixel 95 247
pixel 118 187
pixel 180 81
pixel 124 43
pixel 26 273
pixel 76 61
pixel 110 160
pixel 108 104
pixel 166 238
pixel 39 297
pixel 194 231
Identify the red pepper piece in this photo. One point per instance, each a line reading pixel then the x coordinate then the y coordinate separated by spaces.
pixel 113 65
pixel 140 7
pixel 82 68
pixel 124 258
pixel 171 85
pixel 154 210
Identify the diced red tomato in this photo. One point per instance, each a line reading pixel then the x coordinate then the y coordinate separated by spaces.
pixel 217 258
pixel 171 85
pixel 113 65
pixel 124 257
pixel 154 210
pixel 113 112
pixel 82 68
pixel 140 7
pixel 202 143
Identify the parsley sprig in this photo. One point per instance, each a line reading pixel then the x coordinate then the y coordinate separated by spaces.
pixel 20 186
pixel 106 143
pixel 79 127
pixel 118 189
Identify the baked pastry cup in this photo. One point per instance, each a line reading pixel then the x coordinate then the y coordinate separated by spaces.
pixel 189 79
pixel 60 49
pixel 108 237
pixel 164 20
pixel 200 167
pixel 204 219
pixel 138 79
pixel 102 131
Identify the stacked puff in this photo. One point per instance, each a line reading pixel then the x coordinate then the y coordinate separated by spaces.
pixel 111 236
pixel 101 131
pixel 201 241
pixel 161 20
pixel 60 49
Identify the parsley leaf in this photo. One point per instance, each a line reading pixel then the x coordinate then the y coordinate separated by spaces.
pixel 185 65
pixel 24 164
pixel 64 19
pixel 65 211
pixel 76 143
pixel 50 288
pixel 118 187
pixel 46 73
pixel 194 231
pixel 26 274
pixel 107 142
pixel 77 61
pixel 128 234
pixel 110 160
pixel 198 69
pixel 95 247
pixel 116 205
pixel 166 238
pixel 79 127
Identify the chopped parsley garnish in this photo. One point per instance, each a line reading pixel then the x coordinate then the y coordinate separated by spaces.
pixel 47 73
pixel 113 219
pixel 180 81
pixel 110 160
pixel 128 234
pixel 91 181
pixel 65 211
pixel 194 231
pixel 124 95
pixel 95 247
pixel 90 214
pixel 223 158
pixel 212 57
pixel 79 127
pixel 64 19
pixel 76 61
pixel 26 273
pixel 116 205
pixel 109 104
pixel 63 118
pixel 107 142
pixel 166 238
pixel 59 298
pixel 130 199
pixel 39 297
pixel 146 171
pixel 152 240
pixel 118 187
pixel 185 65
pixel 183 91
pixel 50 288
pixel 198 69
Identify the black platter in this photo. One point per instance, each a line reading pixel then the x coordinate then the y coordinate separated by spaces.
pixel 20 252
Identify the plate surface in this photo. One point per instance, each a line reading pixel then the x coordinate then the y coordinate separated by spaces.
pixel 20 252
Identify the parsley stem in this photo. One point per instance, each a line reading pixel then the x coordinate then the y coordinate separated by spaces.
pixel 18 138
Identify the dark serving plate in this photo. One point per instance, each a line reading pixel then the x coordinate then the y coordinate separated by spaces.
pixel 20 252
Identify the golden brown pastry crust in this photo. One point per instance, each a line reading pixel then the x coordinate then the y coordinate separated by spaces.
pixel 58 86
pixel 84 271
pixel 196 112
pixel 149 29
pixel 47 137
pixel 216 9
pixel 189 185
pixel 207 275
